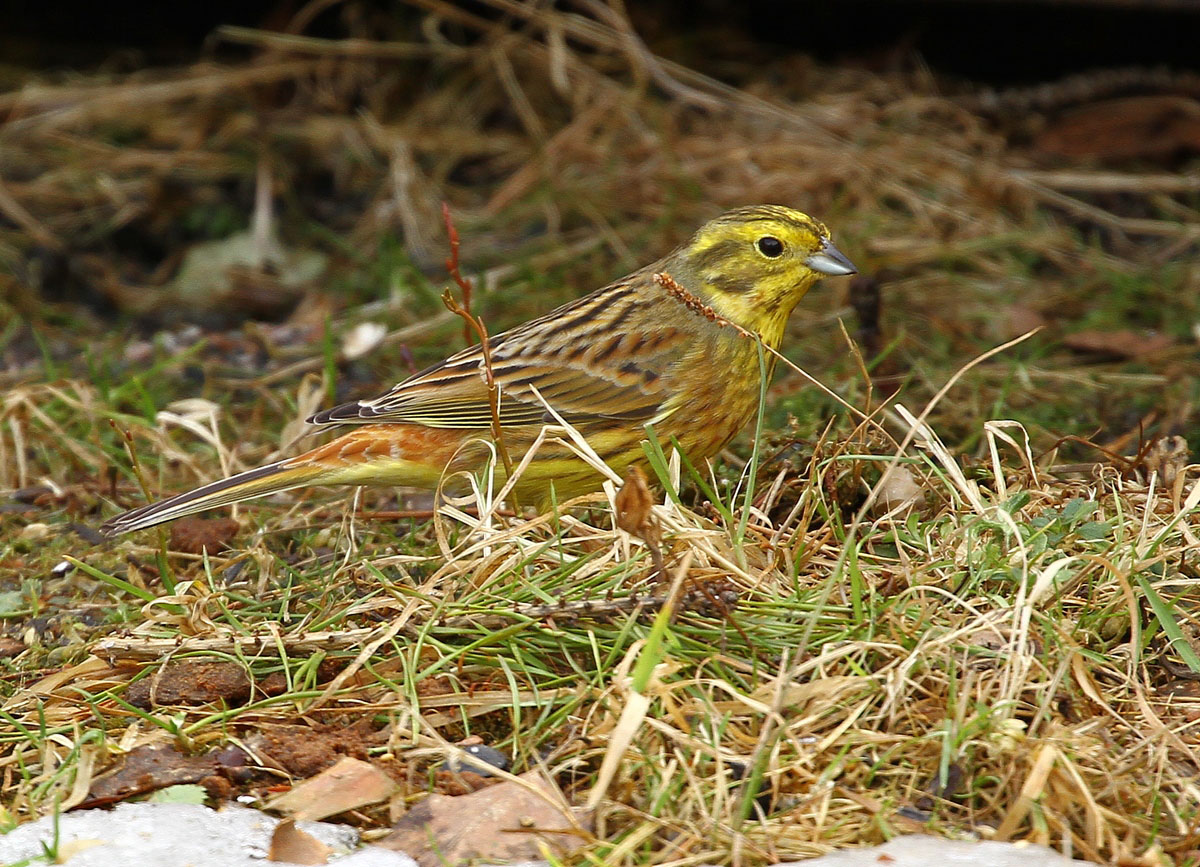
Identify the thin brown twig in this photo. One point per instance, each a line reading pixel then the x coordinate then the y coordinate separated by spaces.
pixel 127 440
pixel 475 323
pixel 1125 464
pixel 452 267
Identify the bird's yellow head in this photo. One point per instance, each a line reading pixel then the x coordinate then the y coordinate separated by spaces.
pixel 752 265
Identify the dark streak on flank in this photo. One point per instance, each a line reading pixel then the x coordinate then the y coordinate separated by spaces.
pixel 607 349
pixel 658 338
pixel 621 315
pixel 583 312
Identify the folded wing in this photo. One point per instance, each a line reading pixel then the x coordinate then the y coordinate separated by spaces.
pixel 603 357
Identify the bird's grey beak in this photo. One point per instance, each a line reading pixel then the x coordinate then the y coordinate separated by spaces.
pixel 829 260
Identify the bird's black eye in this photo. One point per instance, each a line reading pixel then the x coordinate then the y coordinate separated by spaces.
pixel 770 247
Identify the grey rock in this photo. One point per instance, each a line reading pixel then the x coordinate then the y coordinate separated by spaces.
pixel 178 835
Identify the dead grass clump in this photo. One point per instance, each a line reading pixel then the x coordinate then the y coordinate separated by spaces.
pixel 1027 678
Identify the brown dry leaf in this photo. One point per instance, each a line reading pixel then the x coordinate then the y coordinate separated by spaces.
pixel 1183 689
pixel 192 683
pixel 503 822
pixel 1168 457
pixel 146 769
pixel 49 685
pixel 635 515
pixel 349 784
pixel 635 504
pixel 1120 344
pixel 194 535
pixel 294 846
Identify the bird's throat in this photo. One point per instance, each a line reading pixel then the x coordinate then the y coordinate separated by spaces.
pixel 763 313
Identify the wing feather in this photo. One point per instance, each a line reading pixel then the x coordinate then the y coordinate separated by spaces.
pixel 598 358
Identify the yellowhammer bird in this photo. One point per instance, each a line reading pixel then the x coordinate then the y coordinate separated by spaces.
pixel 671 345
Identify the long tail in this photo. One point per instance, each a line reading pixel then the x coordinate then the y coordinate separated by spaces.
pixel 269 479
pixel 381 454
